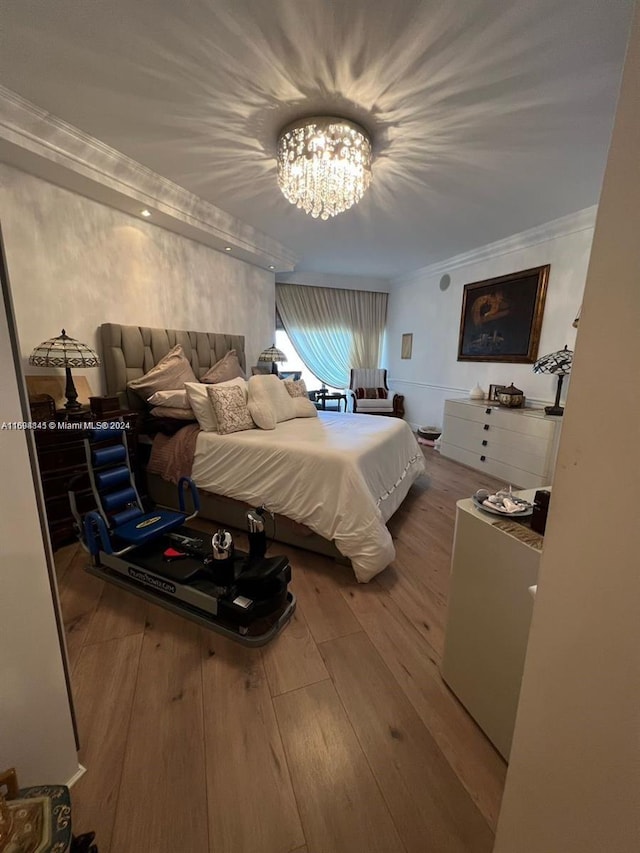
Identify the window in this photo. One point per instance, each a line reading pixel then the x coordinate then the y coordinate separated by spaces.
pixel 294 362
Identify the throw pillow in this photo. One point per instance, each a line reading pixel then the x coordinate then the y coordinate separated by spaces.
pixel 296 387
pixel 201 403
pixel 371 394
pixel 230 407
pixel 173 412
pixel 174 399
pixel 222 371
pixel 268 393
pixel 172 371
pixel 263 414
pixel 304 408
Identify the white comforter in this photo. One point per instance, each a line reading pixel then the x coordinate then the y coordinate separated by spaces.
pixel 342 475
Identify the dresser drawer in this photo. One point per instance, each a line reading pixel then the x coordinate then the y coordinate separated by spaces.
pixel 475 436
pixel 509 474
pixel 524 421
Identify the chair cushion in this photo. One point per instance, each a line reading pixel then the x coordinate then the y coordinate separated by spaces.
pixel 371 393
pixel 374 405
pixel 148 526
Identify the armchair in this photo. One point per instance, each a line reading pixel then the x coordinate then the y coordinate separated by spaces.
pixel 370 393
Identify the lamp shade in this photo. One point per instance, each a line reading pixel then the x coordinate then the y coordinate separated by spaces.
pixel 63 351
pixel 272 354
pixel 558 363
pixel 66 352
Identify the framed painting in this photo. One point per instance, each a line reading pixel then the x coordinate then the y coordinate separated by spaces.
pixel 407 345
pixel 502 317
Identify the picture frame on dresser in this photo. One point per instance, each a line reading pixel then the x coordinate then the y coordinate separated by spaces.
pixel 501 317
pixel 494 390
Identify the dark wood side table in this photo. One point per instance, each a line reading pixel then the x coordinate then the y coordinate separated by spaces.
pixel 61 457
pixel 322 396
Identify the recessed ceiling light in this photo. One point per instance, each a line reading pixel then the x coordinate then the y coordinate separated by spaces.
pixel 271 267
pixel 146 213
pixel 227 248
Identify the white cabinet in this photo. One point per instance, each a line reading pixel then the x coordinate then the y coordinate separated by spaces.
pixel 518 446
pixel 488 620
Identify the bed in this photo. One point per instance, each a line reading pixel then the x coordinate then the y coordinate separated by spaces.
pixel 332 481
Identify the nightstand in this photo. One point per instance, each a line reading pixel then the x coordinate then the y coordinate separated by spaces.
pixel 61 458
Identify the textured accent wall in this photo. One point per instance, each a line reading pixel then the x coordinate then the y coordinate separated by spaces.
pixel 75 263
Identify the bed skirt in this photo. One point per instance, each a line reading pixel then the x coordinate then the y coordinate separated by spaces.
pixel 232 513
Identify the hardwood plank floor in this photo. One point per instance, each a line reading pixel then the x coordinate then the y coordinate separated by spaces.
pixel 426 799
pixel 104 670
pixel 251 802
pixel 340 803
pixel 338 736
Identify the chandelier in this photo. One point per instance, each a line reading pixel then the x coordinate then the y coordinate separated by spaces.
pixel 324 164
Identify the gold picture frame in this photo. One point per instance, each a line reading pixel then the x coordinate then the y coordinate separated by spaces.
pixel 502 317
pixel 407 345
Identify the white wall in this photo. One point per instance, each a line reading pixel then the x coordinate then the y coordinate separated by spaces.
pixel 418 305
pixel 573 784
pixel 75 263
pixel 36 733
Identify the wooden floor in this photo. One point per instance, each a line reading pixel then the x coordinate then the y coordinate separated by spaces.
pixel 338 737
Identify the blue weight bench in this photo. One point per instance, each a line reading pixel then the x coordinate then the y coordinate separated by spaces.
pixel 120 522
pixel 155 555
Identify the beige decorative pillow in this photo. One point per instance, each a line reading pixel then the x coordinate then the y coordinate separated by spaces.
pixel 174 399
pixel 222 371
pixel 173 412
pixel 296 387
pixel 263 414
pixel 230 408
pixel 201 403
pixel 269 392
pixel 171 372
pixel 304 408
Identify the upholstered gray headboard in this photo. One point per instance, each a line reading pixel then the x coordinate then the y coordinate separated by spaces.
pixel 130 351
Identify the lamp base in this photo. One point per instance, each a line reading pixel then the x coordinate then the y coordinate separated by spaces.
pixel 554 410
pixel 72 404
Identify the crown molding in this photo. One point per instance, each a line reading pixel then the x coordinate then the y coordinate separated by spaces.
pixel 42 144
pixel 582 220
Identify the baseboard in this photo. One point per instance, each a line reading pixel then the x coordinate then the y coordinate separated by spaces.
pixel 77 775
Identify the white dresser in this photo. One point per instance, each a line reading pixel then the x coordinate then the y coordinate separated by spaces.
pixel 518 446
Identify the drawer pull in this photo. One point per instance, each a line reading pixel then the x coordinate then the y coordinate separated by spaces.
pixel 482 458
pixel 487 411
pixel 486 426
pixel 485 442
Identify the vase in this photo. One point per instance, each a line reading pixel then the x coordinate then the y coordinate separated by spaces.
pixel 476 393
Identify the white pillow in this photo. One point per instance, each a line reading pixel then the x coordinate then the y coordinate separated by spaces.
pixel 270 400
pixel 201 404
pixel 175 399
pixel 304 407
pixel 174 413
pixel 263 414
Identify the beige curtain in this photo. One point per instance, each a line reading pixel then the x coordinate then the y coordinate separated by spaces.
pixel 333 330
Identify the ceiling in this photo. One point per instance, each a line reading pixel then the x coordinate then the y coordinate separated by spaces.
pixel 488 117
